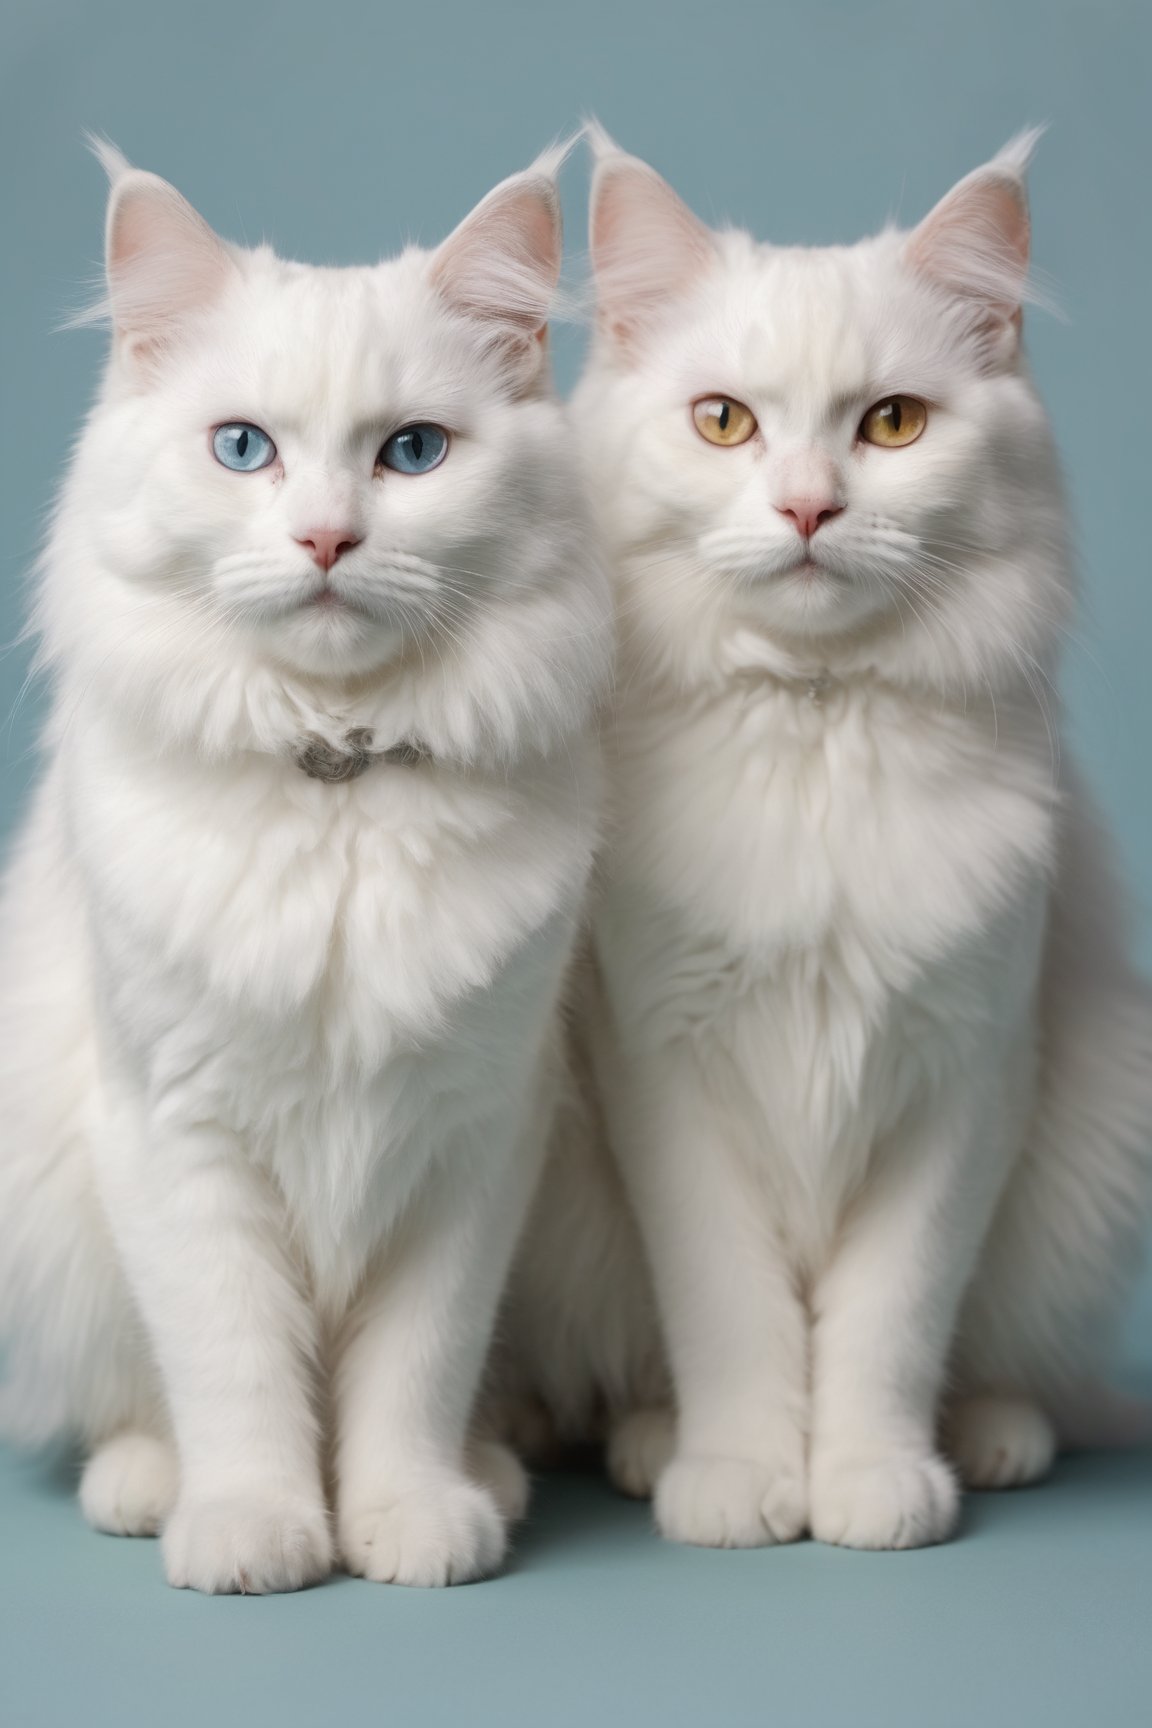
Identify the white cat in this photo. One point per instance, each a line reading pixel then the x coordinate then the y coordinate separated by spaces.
pixel 282 939
pixel 875 1066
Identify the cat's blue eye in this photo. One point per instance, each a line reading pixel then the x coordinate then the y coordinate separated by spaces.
pixel 415 449
pixel 242 446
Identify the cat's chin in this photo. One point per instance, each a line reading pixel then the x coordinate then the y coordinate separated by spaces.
pixel 810 606
pixel 331 643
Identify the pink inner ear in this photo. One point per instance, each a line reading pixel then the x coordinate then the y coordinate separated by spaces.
pixel 144 221
pixel 163 258
pixel 503 261
pixel 976 240
pixel 647 246
pixel 540 232
pixel 1007 214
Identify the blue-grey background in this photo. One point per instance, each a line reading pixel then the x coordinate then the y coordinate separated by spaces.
pixel 337 129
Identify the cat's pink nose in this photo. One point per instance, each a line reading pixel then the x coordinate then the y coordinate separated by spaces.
pixel 325 545
pixel 808 514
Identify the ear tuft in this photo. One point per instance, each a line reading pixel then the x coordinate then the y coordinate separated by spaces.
pixel 1016 156
pixel 599 140
pixel 648 249
pixel 110 157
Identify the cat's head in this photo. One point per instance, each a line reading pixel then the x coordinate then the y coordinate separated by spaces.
pixel 329 470
pixel 835 448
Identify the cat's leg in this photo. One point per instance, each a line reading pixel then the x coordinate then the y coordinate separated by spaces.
pixel 733 1322
pixel 413 1507
pixel 884 1318
pixel 202 1239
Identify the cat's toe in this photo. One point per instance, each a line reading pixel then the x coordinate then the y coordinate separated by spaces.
pixel 496 1467
pixel 640 1446
pixel 436 1534
pixel 716 1502
pixel 902 1500
pixel 129 1485
pixel 247 1545
pixel 1000 1441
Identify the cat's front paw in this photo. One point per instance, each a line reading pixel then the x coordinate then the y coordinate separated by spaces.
pixel 247 1544
pixel 439 1533
pixel 1000 1441
pixel 900 1500
pixel 716 1502
pixel 640 1447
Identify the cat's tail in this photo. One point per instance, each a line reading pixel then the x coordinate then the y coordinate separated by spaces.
pixel 1097 1417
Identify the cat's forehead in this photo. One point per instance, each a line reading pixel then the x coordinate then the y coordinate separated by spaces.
pixel 814 325
pixel 803 325
pixel 343 343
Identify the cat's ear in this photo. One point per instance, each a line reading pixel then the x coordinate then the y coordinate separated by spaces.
pixel 163 261
pixel 501 266
pixel 976 242
pixel 648 249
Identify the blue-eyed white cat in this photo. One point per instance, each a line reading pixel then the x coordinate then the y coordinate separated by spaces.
pixel 282 937
pixel 876 1071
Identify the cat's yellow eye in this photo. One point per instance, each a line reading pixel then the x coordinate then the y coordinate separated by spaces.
pixel 723 421
pixel 895 422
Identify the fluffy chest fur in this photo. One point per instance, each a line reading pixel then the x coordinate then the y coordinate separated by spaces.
pixel 346 976
pixel 829 900
pixel 863 816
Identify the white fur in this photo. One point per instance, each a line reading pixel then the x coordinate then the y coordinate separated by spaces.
pixel 273 1051
pixel 875 1067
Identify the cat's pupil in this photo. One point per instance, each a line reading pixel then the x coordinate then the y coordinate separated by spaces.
pixel 894 416
pixel 417 443
pixel 242 445
pixel 723 417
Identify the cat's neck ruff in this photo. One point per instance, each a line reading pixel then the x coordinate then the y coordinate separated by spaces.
pixel 750 655
pixel 816 680
pixel 321 759
pixel 814 685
